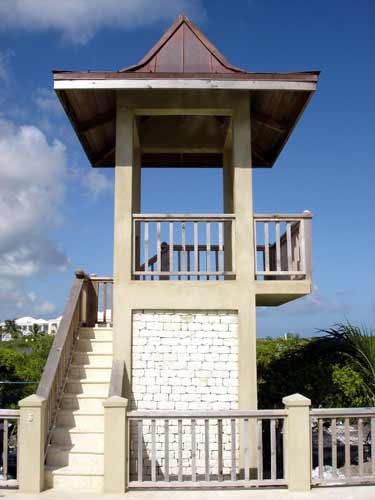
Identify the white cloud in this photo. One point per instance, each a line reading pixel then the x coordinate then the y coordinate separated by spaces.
pixel 46 307
pixel 47 101
pixel 96 183
pixel 4 65
pixel 79 20
pixel 316 303
pixel 32 176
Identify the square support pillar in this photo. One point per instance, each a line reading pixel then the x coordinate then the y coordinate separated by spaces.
pixel 116 447
pixel 31 441
pixel 298 442
pixel 126 176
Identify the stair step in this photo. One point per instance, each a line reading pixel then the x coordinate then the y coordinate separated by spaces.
pixel 96 346
pixel 94 387
pixel 96 333
pixel 89 402
pixel 85 420
pixel 92 358
pixel 90 372
pixel 73 456
pixel 64 435
pixel 73 478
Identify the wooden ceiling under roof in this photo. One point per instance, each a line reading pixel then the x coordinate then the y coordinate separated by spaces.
pixel 183 52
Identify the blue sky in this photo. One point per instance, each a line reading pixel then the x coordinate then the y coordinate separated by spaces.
pixel 56 213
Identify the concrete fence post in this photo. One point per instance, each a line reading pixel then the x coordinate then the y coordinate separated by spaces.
pixel 298 443
pixel 115 444
pixel 31 440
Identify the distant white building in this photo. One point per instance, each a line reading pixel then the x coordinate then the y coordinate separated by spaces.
pixel 47 326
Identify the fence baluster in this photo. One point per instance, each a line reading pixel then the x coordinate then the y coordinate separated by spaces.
pixel 273 448
pixel 347 448
pixel 334 448
pixel 105 302
pixel 289 245
pixel 373 446
pixel 5 450
pixel 320 448
pixel 220 449
pixel 208 248
pixel 233 474
pixel 153 450
pixel 246 449
pixel 180 450
pixel 266 247
pixel 360 446
pixel 166 450
pixel 171 247
pixel 158 247
pixel 260 450
pixel 140 450
pixel 193 452
pixel 207 449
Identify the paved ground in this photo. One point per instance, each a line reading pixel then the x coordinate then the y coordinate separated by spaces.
pixel 342 493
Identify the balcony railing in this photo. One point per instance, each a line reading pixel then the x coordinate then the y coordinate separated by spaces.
pixel 189 247
pixel 283 246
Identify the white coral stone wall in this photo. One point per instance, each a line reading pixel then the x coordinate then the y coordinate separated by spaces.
pixel 183 361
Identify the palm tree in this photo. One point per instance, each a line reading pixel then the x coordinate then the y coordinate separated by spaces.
pixel 35 330
pixel 359 345
pixel 12 328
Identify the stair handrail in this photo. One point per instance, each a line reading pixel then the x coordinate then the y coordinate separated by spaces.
pixel 79 309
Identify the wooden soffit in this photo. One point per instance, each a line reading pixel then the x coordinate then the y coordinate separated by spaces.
pixel 184 59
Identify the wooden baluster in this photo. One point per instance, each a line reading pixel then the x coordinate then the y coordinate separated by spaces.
pixel 146 247
pixel 278 253
pixel 166 450
pixel 153 450
pixel 233 473
pixel 347 448
pixel 360 446
pixel 158 247
pixel 152 270
pixel 199 263
pixel 183 243
pixel 193 452
pixel 179 449
pixel 216 252
pixel 196 265
pixel 5 450
pixel 260 450
pixel 220 475
pixel 171 249
pixel 266 247
pixel 208 249
pixel 105 302
pixel 273 448
pixel 207 449
pixel 320 448
pixel 302 246
pixel 246 449
pixel 373 446
pixel 179 263
pixel 140 450
pixel 233 227
pixel 220 266
pixel 188 263
pixel 334 447
pixel 289 246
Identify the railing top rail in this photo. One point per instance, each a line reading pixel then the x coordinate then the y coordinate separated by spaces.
pixel 283 217
pixel 5 413
pixel 207 414
pixel 342 412
pixel 101 279
pixel 184 217
pixel 52 363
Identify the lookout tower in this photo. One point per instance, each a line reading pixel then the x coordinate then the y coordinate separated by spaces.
pixel 186 286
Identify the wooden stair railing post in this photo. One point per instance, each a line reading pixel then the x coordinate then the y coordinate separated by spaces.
pixel 91 291
pixel 116 447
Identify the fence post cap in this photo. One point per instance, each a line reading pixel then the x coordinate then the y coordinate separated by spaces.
pixel 115 402
pixel 32 401
pixel 295 400
pixel 80 274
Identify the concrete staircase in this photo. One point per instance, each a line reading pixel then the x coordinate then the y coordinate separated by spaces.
pixel 75 457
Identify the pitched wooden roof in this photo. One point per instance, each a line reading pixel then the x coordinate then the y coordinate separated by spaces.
pixel 183 58
pixel 183 49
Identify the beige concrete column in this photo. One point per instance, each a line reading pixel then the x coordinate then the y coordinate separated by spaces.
pixel 122 261
pixel 298 442
pixel 244 258
pixel 227 204
pixel 31 439
pixel 115 445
